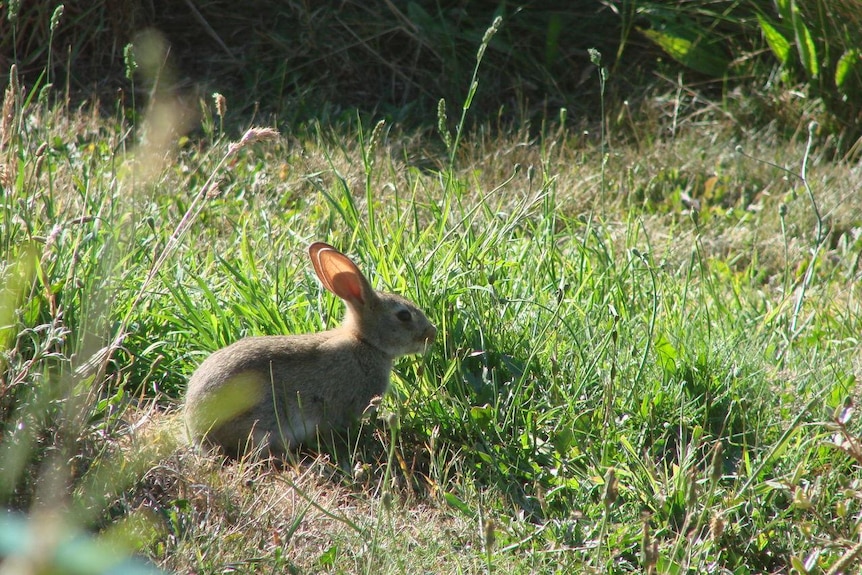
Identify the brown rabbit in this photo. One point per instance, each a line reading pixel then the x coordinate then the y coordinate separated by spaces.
pixel 273 392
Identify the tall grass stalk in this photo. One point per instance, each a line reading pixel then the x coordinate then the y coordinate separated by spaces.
pixel 251 136
pixel 596 59
pixel 820 235
pixel 12 15
pixel 474 86
pixel 130 62
pixel 387 493
pixel 56 16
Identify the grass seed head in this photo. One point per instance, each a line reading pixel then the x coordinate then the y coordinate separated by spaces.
pixel 8 109
pixel 716 527
pixel 717 462
pixel 220 104
pixel 490 534
pixel 14 8
pixel 649 555
pixel 611 487
pixel 56 16
pixel 251 136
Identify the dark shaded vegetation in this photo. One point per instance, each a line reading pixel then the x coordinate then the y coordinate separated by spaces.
pixel 303 60
pixel 323 60
pixel 318 59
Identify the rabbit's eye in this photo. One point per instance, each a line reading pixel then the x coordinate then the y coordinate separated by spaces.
pixel 404 315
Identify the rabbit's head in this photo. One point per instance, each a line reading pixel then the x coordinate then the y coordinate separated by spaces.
pixel 388 322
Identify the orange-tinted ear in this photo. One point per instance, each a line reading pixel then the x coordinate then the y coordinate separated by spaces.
pixel 337 273
pixel 314 253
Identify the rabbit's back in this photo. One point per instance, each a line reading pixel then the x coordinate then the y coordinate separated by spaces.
pixel 277 391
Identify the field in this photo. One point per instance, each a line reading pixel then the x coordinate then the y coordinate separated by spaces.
pixel 648 353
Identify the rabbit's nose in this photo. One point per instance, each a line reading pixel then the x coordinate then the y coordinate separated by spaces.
pixel 430 334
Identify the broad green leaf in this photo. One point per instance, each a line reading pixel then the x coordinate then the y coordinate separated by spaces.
pixel 776 40
pixel 18 277
pixel 845 65
pixel 669 566
pixel 805 44
pixel 687 48
pixel 797 564
pixel 483 416
pixel 327 559
pixel 552 39
pixel 784 9
pixel 454 501
pixel 667 354
pixel 562 440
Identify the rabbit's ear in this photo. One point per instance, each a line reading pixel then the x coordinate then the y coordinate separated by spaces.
pixel 338 274
pixel 314 253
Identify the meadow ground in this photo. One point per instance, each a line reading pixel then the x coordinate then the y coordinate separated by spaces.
pixel 648 353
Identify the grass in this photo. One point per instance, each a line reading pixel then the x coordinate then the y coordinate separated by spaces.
pixel 622 382
pixel 304 61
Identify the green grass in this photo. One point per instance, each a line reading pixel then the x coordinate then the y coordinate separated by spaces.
pixel 619 385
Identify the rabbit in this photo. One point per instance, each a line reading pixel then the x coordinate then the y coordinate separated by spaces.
pixel 268 394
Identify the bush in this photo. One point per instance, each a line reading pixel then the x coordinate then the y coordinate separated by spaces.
pixel 817 43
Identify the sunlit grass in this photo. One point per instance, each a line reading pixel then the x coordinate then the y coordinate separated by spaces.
pixel 624 380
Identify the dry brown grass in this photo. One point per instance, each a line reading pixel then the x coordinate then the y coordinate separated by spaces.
pixel 736 180
pixel 255 515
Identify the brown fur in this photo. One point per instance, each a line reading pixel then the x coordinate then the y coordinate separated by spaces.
pixel 274 392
